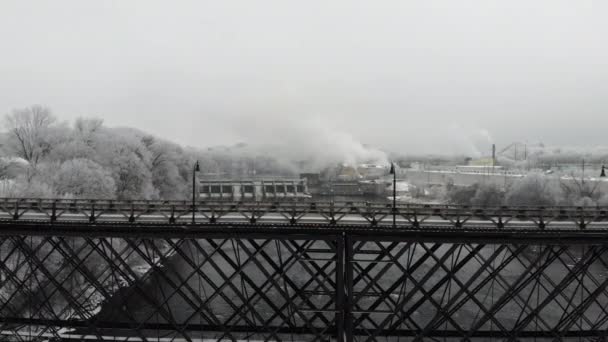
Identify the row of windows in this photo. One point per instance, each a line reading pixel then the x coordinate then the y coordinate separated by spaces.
pixel 249 189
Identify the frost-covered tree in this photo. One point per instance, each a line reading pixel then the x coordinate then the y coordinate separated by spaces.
pixel 71 149
pixel 6 165
pixel 535 190
pixel 123 153
pixel 462 195
pixel 24 186
pixel 488 195
pixel 28 132
pixel 167 158
pixel 578 191
pixel 84 178
pixel 85 129
pixel 133 179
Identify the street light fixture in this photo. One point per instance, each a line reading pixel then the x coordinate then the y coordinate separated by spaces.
pixel 195 169
pixel 394 173
pixel 603 174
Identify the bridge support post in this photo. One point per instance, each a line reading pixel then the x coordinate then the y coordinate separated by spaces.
pixel 92 216
pixel 16 212
pixel 132 216
pixel 347 311
pixel 339 305
pixel 172 218
pixel 54 212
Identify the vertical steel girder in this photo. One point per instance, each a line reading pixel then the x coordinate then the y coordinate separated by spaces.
pixel 300 287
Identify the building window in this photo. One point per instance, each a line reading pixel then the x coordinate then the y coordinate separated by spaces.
pixel 248 189
pixel 227 189
pixel 269 189
pixel 300 188
pixel 216 189
pixel 290 189
pixel 280 188
pixel 203 189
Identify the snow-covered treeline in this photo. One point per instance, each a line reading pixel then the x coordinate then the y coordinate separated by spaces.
pixel 43 157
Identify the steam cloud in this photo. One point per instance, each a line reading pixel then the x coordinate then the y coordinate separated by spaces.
pixel 312 140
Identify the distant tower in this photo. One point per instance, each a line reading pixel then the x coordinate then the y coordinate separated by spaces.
pixel 603 174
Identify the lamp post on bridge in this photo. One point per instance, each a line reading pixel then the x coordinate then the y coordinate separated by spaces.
pixel 195 169
pixel 394 173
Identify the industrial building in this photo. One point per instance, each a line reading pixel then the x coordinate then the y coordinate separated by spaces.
pixel 348 188
pixel 253 189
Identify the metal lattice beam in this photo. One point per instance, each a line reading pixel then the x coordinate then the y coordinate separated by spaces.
pixel 153 281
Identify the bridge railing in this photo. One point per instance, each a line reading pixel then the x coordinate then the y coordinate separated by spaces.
pixel 287 212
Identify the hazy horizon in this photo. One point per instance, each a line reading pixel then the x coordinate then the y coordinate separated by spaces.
pixel 409 76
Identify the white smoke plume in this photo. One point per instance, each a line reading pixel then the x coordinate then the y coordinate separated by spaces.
pixel 310 142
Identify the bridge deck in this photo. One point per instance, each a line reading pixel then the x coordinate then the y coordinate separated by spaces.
pixel 345 214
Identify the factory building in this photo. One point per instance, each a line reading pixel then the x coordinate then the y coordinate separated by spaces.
pixel 253 189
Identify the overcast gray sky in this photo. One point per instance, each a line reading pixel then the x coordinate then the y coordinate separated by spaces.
pixel 427 76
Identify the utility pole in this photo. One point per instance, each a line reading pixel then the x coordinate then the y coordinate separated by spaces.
pixel 195 169
pixel 394 173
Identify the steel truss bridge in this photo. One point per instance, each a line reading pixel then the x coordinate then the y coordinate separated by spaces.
pixel 73 270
